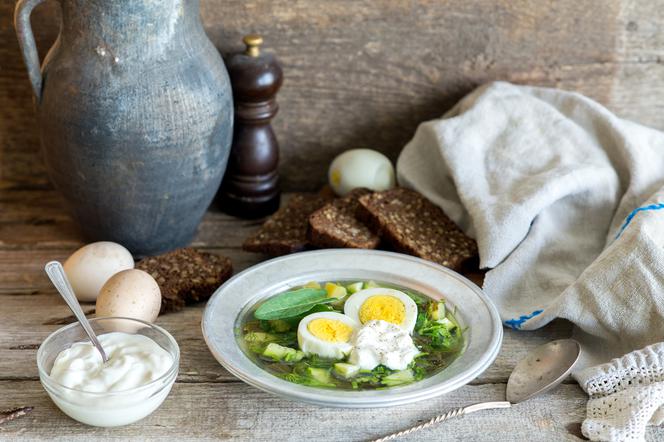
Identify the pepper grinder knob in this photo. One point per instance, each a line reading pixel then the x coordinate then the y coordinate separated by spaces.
pixel 253 43
pixel 250 187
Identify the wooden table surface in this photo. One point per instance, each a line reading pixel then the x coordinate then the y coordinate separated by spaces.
pixel 206 401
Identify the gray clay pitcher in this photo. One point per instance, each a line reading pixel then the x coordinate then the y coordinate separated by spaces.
pixel 135 115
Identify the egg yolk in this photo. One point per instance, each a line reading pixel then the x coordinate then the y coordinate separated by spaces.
pixel 383 307
pixel 330 330
pixel 336 177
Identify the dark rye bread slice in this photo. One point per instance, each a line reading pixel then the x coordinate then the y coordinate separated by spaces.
pixel 335 224
pixel 286 231
pixel 412 224
pixel 186 276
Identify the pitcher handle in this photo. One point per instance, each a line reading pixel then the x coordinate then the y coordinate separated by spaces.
pixel 26 41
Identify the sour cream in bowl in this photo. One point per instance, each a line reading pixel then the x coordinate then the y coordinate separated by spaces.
pixel 142 365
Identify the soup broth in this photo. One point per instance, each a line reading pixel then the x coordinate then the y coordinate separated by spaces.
pixel 352 335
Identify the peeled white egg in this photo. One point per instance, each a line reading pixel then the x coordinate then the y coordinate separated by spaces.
pixel 326 334
pixel 382 304
pixel 360 168
pixel 130 294
pixel 92 265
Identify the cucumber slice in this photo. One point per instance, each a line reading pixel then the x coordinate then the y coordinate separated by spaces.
pixel 320 374
pixel 355 287
pixel 436 310
pixel 346 371
pixel 448 324
pixel 280 353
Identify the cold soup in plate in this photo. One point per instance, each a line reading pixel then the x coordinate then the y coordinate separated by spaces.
pixel 352 335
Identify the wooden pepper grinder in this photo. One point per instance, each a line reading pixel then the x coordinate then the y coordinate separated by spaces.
pixel 250 187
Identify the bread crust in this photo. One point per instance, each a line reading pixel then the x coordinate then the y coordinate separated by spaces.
pixel 336 226
pixel 286 230
pixel 411 224
pixel 186 276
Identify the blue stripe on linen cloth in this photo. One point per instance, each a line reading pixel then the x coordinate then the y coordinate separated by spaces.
pixel 516 324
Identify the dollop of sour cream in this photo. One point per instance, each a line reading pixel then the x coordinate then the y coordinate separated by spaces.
pixel 381 342
pixel 133 360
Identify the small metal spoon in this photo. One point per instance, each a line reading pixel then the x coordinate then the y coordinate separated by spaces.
pixel 59 279
pixel 543 369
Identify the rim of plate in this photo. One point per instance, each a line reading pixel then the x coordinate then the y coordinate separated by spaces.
pixel 232 300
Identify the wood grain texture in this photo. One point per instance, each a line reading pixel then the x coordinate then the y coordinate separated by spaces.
pixel 18 345
pixel 358 73
pixel 639 82
pixel 35 221
pixel 239 412
pixel 207 403
pixel 38 220
pixel 366 73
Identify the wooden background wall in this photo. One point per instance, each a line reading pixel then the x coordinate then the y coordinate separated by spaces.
pixel 364 73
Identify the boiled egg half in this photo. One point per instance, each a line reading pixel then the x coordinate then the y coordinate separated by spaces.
pixel 382 304
pixel 326 334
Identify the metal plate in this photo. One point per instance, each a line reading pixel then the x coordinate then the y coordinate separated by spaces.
pixel 229 304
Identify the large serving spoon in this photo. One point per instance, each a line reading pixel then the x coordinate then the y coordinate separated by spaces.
pixel 544 368
pixel 59 279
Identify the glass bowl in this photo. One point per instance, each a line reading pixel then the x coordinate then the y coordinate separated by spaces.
pixel 227 308
pixel 108 409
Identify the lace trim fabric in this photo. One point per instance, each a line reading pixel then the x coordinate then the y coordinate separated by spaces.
pixel 626 394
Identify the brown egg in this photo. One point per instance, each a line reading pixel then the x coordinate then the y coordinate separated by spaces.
pixel 131 294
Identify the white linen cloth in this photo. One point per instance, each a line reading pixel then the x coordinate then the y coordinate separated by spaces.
pixel 564 199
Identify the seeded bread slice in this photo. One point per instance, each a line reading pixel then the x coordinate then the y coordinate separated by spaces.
pixel 286 231
pixel 412 224
pixel 186 276
pixel 334 225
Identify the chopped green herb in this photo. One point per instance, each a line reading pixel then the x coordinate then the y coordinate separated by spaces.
pixel 272 338
pixel 398 378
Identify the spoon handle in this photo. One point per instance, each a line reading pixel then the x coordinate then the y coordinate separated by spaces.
pixel 59 279
pixel 457 412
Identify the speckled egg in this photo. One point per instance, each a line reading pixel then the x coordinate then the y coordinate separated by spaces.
pixel 361 168
pixel 92 265
pixel 130 294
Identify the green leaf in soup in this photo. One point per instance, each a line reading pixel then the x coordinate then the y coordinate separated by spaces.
pixel 419 299
pixel 292 303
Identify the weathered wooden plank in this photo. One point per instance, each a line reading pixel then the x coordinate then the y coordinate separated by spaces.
pixel 642 40
pixel 238 411
pixel 37 219
pixel 22 271
pixel 639 82
pixel 25 327
pixel 35 228
pixel 365 73
pixel 216 230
